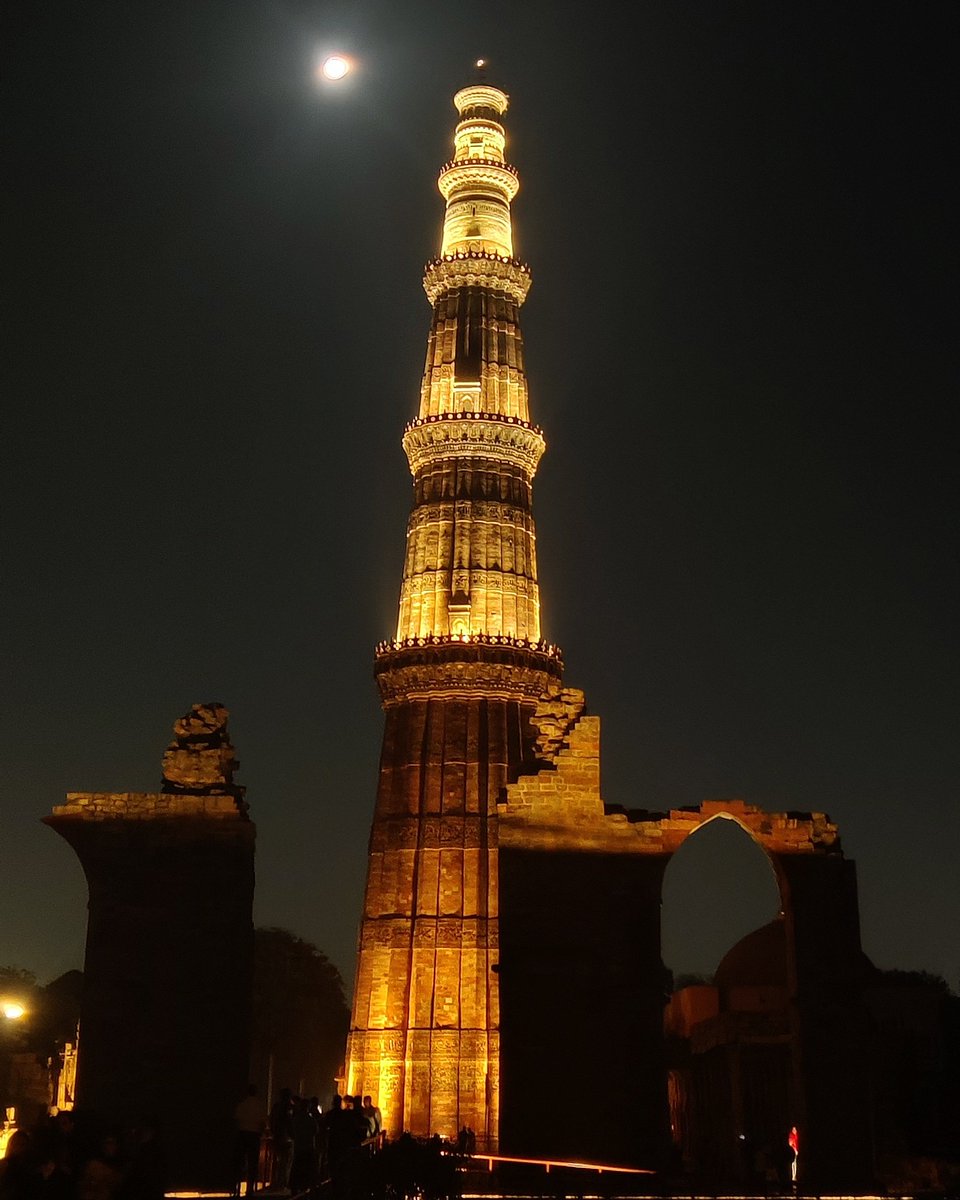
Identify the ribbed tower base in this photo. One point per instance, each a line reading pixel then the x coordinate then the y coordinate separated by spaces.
pixel 425 1037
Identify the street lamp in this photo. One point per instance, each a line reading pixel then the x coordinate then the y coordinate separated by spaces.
pixel 11 1009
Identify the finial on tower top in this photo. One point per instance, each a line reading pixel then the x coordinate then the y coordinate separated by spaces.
pixel 480 94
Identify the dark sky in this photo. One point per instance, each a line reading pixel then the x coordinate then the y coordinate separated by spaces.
pixel 741 222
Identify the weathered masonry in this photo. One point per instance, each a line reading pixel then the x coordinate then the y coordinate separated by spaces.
pixel 509 960
pixel 462 677
pixel 164 1022
pixel 582 982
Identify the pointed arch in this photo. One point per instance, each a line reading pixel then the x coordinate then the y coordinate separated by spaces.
pixel 719 886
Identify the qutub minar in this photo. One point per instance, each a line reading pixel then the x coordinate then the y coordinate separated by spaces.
pixel 509 966
pixel 462 677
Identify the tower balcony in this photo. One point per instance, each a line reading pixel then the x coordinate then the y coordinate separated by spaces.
pixel 445 665
pixel 473 435
pixel 478 174
pixel 476 268
pixel 480 99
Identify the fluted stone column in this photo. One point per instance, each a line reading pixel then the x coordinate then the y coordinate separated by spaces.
pixel 461 678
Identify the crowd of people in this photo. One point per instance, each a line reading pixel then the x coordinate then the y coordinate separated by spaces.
pixel 298 1150
pixel 307 1147
pixel 343 1152
pixel 66 1158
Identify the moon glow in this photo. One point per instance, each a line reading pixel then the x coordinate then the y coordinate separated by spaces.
pixel 334 67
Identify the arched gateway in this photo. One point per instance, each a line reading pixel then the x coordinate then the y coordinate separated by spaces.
pixel 582 983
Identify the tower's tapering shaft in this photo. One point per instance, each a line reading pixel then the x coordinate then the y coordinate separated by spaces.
pixel 462 677
pixel 471 565
pixel 477 183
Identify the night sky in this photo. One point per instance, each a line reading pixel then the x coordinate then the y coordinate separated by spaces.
pixel 740 341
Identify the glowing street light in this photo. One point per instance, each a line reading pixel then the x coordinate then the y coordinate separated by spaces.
pixel 13 1010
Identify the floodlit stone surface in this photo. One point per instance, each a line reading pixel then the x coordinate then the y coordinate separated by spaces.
pixel 509 950
pixel 461 678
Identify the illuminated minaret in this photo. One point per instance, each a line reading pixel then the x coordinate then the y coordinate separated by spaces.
pixel 496 867
pixel 463 675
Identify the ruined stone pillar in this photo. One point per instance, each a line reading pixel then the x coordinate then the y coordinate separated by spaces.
pixel 831 1025
pixel 582 982
pixel 582 992
pixel 164 1025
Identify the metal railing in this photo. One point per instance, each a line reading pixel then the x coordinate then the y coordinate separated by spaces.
pixel 560 1164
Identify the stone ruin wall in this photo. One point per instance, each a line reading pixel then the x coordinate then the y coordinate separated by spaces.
pixel 558 804
pixel 580 957
pixel 164 1023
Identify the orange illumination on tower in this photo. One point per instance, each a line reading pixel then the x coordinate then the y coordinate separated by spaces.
pixel 461 678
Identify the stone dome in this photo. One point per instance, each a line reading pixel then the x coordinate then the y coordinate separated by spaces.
pixel 758 960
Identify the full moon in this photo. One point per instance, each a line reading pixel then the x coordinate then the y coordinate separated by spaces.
pixel 334 67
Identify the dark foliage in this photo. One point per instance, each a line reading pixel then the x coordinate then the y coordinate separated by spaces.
pixel 52 1011
pixel 300 1015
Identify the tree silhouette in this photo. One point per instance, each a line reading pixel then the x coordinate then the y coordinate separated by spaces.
pixel 300 1016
